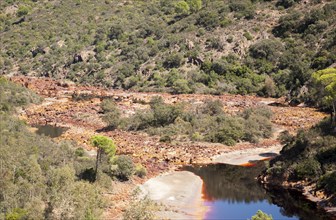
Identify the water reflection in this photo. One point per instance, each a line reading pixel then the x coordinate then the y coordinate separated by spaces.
pixel 232 192
pixel 50 130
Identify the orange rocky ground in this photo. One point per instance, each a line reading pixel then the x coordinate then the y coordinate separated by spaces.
pixel 82 117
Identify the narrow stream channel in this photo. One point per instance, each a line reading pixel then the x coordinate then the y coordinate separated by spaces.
pixel 232 192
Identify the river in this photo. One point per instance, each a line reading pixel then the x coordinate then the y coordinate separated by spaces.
pixel 232 192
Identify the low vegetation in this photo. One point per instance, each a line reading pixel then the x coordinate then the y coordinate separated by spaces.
pixel 141 209
pixel 206 122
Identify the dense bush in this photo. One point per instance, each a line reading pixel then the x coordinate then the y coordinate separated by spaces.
pixel 206 122
pixel 328 182
pixel 140 171
pixel 287 3
pixel 309 168
pixel 111 113
pixel 242 8
pixel 212 108
pixel 257 124
pixel 227 131
pixel 141 210
pixel 267 49
pixel 174 60
pixel 209 20
pixel 164 114
pixel 122 167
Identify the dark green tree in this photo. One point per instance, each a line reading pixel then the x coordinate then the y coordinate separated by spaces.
pixel 260 215
pixel 327 79
pixel 182 8
pixel 103 145
pixel 195 5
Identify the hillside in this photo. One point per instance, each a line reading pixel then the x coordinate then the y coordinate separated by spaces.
pixel 269 48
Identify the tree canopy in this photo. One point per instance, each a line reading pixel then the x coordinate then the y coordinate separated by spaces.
pixel 327 78
pixel 105 144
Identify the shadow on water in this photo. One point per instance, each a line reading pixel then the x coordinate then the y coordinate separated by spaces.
pixel 232 192
pixel 271 154
pixel 50 130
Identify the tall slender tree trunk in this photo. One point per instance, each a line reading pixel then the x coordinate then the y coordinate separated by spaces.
pixel 97 163
pixel 334 114
pixel 331 117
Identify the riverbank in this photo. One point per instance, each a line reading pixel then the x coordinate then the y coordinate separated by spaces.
pixel 248 156
pixel 179 191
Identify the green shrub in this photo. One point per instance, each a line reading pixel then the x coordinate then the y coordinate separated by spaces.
pixel 164 114
pixel 196 137
pixel 111 113
pixel 248 35
pixel 206 122
pixel 173 60
pixel 268 49
pixel 79 152
pixel 165 138
pixel 276 170
pixel 16 214
pixel 285 137
pixel 309 168
pixel 23 10
pixel 141 210
pixel 195 5
pixel 122 167
pixel 328 182
pixel 262 111
pixel 208 19
pixel 182 8
pixel 242 8
pixel 287 24
pixel 139 121
pixel 228 132
pixel 287 3
pixel 212 107
pixel 215 43
pixel 140 171
pixel 257 126
pixel 181 86
pixel 260 215
pixel 269 89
